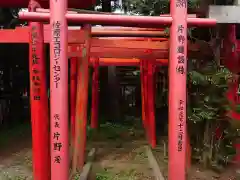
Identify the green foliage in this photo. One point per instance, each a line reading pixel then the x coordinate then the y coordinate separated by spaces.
pixel 153 7
pixel 207 106
pixel 207 103
pixel 123 175
pixel 207 92
pixel 8 17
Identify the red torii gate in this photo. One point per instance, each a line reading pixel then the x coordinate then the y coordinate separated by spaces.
pixel 116 45
pixel 177 98
pixel 58 46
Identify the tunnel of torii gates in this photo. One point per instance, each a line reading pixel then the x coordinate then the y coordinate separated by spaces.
pixel 53 161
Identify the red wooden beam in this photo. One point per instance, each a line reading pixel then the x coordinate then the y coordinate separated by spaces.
pixel 117 20
pixel 130 33
pixel 124 62
pixel 133 44
pixel 126 53
pixel 20 35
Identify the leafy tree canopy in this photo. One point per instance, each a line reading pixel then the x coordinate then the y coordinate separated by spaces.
pixel 153 7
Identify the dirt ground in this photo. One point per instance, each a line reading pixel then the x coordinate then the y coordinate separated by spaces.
pixel 196 172
pixel 121 158
pixel 16 158
pixel 122 161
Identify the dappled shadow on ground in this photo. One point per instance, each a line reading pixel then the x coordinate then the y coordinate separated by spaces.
pixel 16 154
pixel 196 172
pixel 120 155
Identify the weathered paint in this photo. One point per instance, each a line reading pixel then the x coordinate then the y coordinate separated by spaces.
pixel 177 91
pixel 39 100
pixel 59 91
pixel 95 94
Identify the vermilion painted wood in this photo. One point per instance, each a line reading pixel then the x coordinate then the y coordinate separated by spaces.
pixel 146 94
pixel 81 106
pixel 20 35
pixel 128 53
pixel 126 62
pixel 39 103
pixel 95 93
pixel 118 20
pixel 143 94
pixel 177 91
pixel 102 47
pixel 73 88
pixel 85 80
pixel 150 106
pixel 59 91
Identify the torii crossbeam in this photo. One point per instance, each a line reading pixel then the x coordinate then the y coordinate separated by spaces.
pixel 58 18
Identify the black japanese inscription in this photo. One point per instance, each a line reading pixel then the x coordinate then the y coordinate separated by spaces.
pixel 57 159
pixel 57 146
pixel 35 61
pixel 180 49
pixel 34 36
pixel 56 78
pixel 36 97
pixel 180 69
pixel 56 117
pixel 56 51
pixel 35 71
pixel 181 39
pixel 180 125
pixel 181 59
pixel 56 67
pixel 181 3
pixel 34 58
pixel 35 78
pixel 180 141
pixel 180 29
pixel 56 135
pixel 56 125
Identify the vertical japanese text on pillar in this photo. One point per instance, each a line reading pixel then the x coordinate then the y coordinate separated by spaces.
pixel 180 125
pixel 35 62
pixel 56 68
pixel 57 145
pixel 57 51
pixel 180 50
pixel 181 5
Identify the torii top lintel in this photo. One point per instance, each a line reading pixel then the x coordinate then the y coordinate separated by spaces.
pixel 45 3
